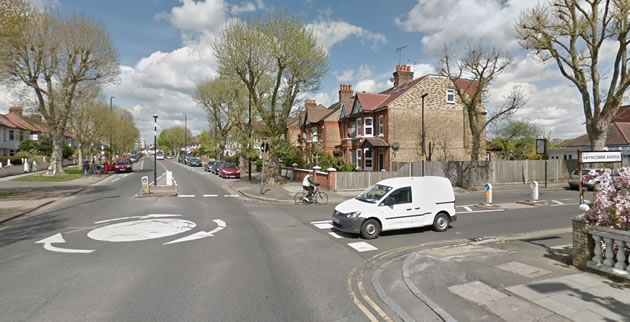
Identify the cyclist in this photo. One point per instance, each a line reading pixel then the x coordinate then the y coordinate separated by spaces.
pixel 308 184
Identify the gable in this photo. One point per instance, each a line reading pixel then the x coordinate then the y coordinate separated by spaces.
pixel 356 107
pixel 342 113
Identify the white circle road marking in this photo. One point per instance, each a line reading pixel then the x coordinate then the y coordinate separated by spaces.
pixel 141 230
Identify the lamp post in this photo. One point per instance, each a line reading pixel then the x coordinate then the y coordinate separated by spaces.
pixel 111 142
pixel 423 146
pixel 249 168
pixel 185 132
pixel 155 117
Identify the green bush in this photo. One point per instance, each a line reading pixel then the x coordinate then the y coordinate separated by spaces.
pixel 27 146
pixel 15 160
pixel 68 151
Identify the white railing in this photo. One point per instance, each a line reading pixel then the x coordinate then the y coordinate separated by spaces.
pixel 610 250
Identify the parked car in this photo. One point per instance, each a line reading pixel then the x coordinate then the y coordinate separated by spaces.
pixel 194 162
pixel 123 165
pixel 160 156
pixel 398 203
pixel 230 170
pixel 216 167
pixel 133 158
pixel 109 165
pixel 590 178
pixel 208 165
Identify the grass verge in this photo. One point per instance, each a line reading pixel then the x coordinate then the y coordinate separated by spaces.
pixel 5 194
pixel 71 173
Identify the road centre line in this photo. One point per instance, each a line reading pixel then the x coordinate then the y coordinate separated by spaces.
pixel 230 196
pixel 557 202
pixel 115 179
pixel 477 211
pixel 206 196
pixel 467 208
pixel 185 196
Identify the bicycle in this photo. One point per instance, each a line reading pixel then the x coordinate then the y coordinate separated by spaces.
pixel 318 197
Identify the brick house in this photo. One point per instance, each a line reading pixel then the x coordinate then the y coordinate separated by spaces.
pixel 386 127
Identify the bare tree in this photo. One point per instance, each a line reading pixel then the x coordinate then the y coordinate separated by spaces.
pixel 573 34
pixel 472 76
pixel 89 118
pixel 52 56
pixel 14 16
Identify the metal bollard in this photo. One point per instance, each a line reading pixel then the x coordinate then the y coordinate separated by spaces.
pixel 534 186
pixel 487 193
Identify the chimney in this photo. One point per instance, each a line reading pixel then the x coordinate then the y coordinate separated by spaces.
pixel 16 110
pixel 345 92
pixel 402 75
pixel 310 104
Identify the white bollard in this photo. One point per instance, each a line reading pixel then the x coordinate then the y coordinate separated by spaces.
pixel 487 193
pixel 534 186
pixel 169 178
pixel 34 167
pixel 9 162
pixel 25 161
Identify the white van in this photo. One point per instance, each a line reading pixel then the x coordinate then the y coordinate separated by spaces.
pixel 398 203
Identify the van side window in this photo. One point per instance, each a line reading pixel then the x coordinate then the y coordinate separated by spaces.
pixel 401 196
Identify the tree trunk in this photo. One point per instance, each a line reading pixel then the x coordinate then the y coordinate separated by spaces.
pixel 80 152
pixel 56 164
pixel 598 136
pixel 476 146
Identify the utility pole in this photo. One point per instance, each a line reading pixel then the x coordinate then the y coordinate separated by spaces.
pixel 111 129
pixel 185 132
pixel 423 146
pixel 249 168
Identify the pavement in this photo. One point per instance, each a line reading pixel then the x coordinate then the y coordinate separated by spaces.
pixel 35 195
pixel 499 279
pixel 502 279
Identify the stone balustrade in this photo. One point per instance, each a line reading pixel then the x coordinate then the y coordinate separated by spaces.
pixel 610 250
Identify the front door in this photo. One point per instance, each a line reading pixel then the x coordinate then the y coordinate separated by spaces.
pixel 381 160
pixel 399 213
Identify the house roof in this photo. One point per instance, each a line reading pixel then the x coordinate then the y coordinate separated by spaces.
pixel 370 102
pixel 7 123
pixel 376 142
pixel 618 134
pixel 623 114
pixel 396 92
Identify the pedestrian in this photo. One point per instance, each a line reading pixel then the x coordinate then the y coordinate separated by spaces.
pixel 86 167
pixel 93 168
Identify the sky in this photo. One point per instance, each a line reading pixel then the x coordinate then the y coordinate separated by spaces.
pixel 164 48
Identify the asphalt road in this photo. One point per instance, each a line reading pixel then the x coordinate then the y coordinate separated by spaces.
pixel 103 255
pixel 262 265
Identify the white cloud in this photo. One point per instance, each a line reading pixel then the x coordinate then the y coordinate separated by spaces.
pixel 331 32
pixel 201 16
pixel 344 76
pixel 246 7
pixel 45 4
pixel 448 21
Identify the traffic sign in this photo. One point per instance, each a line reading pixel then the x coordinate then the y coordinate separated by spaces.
pixel 264 147
pixel 601 156
pixel 486 187
pixel 541 146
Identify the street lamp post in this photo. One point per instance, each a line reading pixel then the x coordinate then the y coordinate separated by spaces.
pixel 185 132
pixel 249 168
pixel 423 146
pixel 111 142
pixel 155 117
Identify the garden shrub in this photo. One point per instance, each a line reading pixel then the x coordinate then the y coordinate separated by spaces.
pixel 611 207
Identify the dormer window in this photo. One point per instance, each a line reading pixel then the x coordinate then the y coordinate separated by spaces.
pixel 450 96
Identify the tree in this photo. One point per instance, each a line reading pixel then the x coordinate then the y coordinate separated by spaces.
pixel 277 57
pixel 125 132
pixel 483 65
pixel 517 139
pixel 173 138
pixel 14 15
pixel 89 118
pixel 52 56
pixel 573 34
pixel 224 100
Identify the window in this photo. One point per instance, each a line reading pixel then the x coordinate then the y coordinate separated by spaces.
pixel 353 158
pixel 381 121
pixel 314 134
pixel 369 126
pixel 359 164
pixel 21 136
pixel 353 130
pixel 450 96
pixel 345 130
pixel 368 159
pixel 359 128
pixel 11 135
pixel 401 196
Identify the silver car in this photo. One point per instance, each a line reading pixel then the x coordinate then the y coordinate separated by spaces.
pixel 590 178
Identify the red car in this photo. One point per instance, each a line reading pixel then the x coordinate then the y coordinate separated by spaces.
pixel 109 165
pixel 229 170
pixel 123 165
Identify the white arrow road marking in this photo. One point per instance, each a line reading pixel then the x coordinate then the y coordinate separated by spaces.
pixel 201 234
pixel 58 239
pixel 137 217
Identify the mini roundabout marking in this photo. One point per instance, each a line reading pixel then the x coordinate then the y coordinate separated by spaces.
pixel 136 228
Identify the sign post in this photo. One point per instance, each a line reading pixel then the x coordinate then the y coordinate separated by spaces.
pixel 145 184
pixel 541 148
pixel 263 148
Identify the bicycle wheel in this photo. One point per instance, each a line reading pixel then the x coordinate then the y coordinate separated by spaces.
pixel 321 198
pixel 299 197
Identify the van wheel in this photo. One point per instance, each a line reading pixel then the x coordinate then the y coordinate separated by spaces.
pixel 370 229
pixel 441 221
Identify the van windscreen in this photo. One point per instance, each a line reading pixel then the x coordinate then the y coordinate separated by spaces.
pixel 374 193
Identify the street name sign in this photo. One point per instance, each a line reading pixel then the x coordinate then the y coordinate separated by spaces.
pixel 601 156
